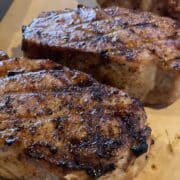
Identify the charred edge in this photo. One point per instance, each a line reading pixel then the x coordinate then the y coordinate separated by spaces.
pixel 33 151
pixel 152 141
pixel 99 171
pixel 138 103
pixel 106 148
pixel 24 46
pixel 104 54
pixel 130 123
pixel 23 28
pixel 98 92
pixel 92 172
pixel 57 121
pixel 140 149
pixel 48 111
pixel 39 33
pixel 145 25
pixel 128 53
pixel 15 72
pixel 80 6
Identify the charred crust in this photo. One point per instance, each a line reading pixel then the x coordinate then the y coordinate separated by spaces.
pixel 128 53
pixel 38 150
pixel 80 6
pixel 99 171
pixel 140 149
pixel 39 33
pixel 24 46
pixel 96 96
pixel 104 54
pixel 58 122
pixel 125 25
pixel 23 28
pixel 15 72
pixel 10 140
pixel 138 103
pixel 105 147
pixel 142 146
pixel 48 111
pixel 97 93
pixel 145 25
pixel 152 141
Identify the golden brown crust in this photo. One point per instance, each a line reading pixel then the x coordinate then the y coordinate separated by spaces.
pixel 66 122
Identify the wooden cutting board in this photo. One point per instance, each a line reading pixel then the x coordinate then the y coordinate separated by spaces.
pixel 164 159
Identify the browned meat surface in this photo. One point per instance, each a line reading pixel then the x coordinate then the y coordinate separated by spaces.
pixel 136 52
pixel 169 8
pixel 57 123
pixel 3 55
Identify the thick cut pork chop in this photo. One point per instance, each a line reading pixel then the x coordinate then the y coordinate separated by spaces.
pixel 136 52
pixel 57 123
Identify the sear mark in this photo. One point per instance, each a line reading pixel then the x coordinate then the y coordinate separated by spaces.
pixel 10 140
pixel 140 149
pixel 145 25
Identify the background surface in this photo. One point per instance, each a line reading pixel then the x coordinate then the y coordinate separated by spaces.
pixel 164 159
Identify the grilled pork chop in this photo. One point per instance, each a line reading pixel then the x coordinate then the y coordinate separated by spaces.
pixel 57 123
pixel 169 8
pixel 136 52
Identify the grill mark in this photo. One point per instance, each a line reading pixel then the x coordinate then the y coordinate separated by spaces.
pixel 111 19
pixel 145 25
pixel 111 31
pixel 59 97
pixel 69 111
pixel 96 10
pixel 15 72
pixel 95 172
pixel 104 146
pixel 111 49
pixel 144 21
pixel 34 77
